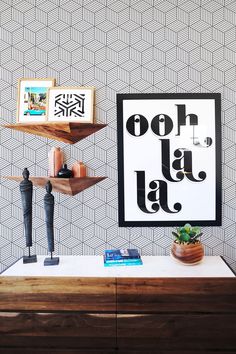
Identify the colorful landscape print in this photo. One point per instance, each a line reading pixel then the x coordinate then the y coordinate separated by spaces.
pixel 35 101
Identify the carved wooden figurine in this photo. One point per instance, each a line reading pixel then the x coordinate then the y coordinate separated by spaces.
pixel 49 214
pixel 26 189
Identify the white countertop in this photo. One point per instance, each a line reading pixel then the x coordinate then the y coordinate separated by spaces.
pixel 92 266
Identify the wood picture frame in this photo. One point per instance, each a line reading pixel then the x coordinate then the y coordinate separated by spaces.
pixel 169 159
pixel 32 99
pixel 70 104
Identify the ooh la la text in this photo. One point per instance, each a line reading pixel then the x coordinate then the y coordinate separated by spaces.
pixel 162 125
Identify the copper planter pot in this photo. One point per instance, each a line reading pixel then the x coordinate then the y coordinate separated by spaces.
pixel 187 253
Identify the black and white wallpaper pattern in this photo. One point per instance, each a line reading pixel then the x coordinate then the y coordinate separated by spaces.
pixel 118 46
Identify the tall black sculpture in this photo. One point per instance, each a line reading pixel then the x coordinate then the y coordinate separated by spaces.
pixel 26 189
pixel 49 213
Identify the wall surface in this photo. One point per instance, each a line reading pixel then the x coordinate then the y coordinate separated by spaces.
pixel 117 46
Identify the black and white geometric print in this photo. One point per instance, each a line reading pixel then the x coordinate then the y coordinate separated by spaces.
pixel 123 46
pixel 69 105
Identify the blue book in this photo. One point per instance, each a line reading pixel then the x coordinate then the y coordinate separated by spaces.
pixel 121 255
pixel 124 263
pixel 132 260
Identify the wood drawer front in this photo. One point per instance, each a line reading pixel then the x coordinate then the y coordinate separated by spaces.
pixel 103 351
pixel 171 295
pixel 61 351
pixel 177 332
pixel 57 330
pixel 157 351
pixel 57 294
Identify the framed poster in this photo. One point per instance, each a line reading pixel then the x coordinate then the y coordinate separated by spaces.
pixel 169 159
pixel 70 104
pixel 32 99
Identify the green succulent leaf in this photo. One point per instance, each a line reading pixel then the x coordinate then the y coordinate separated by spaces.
pixel 175 234
pixel 197 236
pixel 184 237
pixel 187 228
pixel 182 230
pixel 196 229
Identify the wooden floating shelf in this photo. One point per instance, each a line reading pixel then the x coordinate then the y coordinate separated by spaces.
pixel 68 132
pixel 71 186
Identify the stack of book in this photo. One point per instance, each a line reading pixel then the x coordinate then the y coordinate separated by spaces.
pixel 122 257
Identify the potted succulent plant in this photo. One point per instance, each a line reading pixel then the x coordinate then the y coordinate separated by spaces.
pixel 187 248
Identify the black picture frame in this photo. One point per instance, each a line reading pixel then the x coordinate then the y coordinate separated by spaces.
pixel 130 105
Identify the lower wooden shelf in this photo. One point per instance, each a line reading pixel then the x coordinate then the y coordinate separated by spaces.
pixel 71 186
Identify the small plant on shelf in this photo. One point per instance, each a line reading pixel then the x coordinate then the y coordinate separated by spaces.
pixel 187 248
pixel 187 234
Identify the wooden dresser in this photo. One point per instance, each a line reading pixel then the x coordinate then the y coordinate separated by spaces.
pixel 118 310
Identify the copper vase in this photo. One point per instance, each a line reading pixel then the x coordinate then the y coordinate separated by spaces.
pixel 55 158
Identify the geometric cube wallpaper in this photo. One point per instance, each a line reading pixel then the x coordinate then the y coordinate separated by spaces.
pixel 123 46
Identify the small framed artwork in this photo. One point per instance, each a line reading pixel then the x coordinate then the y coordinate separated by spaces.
pixel 32 99
pixel 70 104
pixel 169 159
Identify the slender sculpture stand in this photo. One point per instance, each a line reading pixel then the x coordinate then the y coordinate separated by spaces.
pixel 30 258
pixel 26 189
pixel 49 212
pixel 51 261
